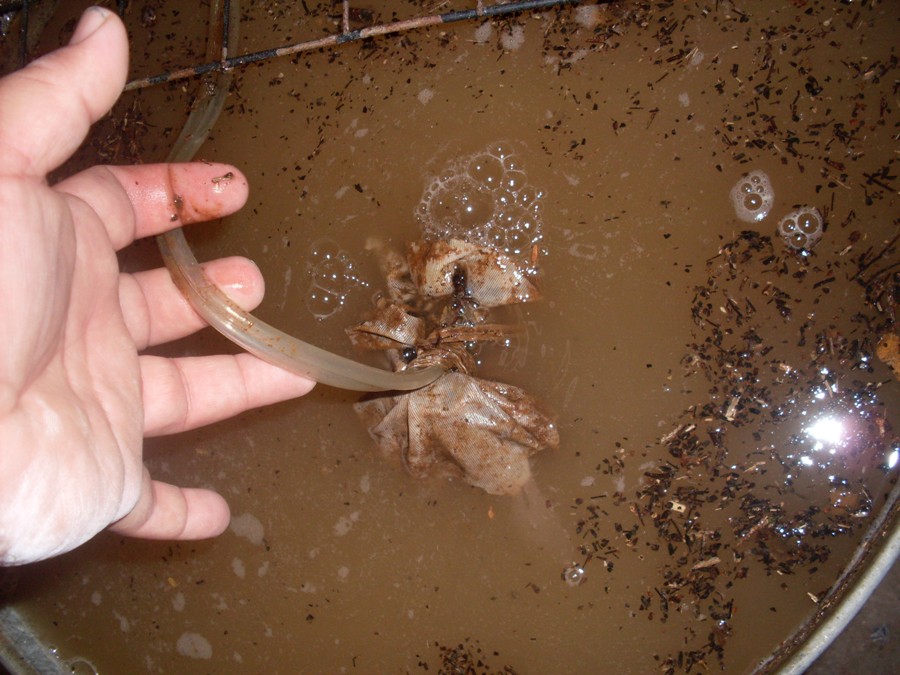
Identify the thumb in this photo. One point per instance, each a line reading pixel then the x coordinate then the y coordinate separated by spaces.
pixel 47 107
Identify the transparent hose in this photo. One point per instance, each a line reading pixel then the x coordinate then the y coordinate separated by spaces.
pixel 219 311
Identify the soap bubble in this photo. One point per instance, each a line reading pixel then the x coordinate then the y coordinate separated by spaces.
pixel 574 575
pixel 528 196
pixel 486 170
pixel 456 204
pixel 514 180
pixel 802 229
pixel 79 665
pixel 332 275
pixel 752 196
pixel 500 150
pixel 485 199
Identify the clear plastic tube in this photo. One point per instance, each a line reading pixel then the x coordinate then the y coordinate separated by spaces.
pixel 219 311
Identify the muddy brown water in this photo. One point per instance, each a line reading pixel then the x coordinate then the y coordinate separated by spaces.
pixel 727 432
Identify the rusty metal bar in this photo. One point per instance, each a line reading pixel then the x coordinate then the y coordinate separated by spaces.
pixel 349 36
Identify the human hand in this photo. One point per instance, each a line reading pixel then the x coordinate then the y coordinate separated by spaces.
pixel 76 398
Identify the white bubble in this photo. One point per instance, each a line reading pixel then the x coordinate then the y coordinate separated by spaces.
pixel 249 527
pixel 587 16
pixel 323 304
pixel 513 39
pixel 753 202
pixel 517 243
pixel 574 575
pixel 527 196
pixel 483 33
pixel 486 170
pixel 484 199
pixel 332 275
pixel 802 229
pixel 425 96
pixel 510 163
pixel 514 180
pixel 194 646
pixel 752 196
pixel 505 198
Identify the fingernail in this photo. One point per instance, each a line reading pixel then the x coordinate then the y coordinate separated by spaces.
pixel 91 20
pixel 242 280
pixel 247 282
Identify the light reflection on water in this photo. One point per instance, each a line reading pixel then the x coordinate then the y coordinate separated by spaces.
pixel 828 432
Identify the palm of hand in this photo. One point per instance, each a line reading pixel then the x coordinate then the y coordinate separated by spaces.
pixel 76 385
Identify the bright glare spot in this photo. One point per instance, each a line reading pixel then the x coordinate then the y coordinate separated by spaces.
pixel 828 430
pixel 892 458
pixel 806 461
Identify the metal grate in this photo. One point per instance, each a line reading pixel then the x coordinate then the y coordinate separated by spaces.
pixel 346 35
pixel 16 21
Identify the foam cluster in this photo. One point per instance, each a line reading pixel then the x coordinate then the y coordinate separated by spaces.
pixel 802 229
pixel 752 196
pixel 484 199
pixel 332 275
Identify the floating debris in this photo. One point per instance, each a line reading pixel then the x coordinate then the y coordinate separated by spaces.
pixel 436 312
pixel 481 431
pixel 888 350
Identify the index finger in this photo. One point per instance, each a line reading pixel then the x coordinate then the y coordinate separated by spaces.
pixel 140 201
